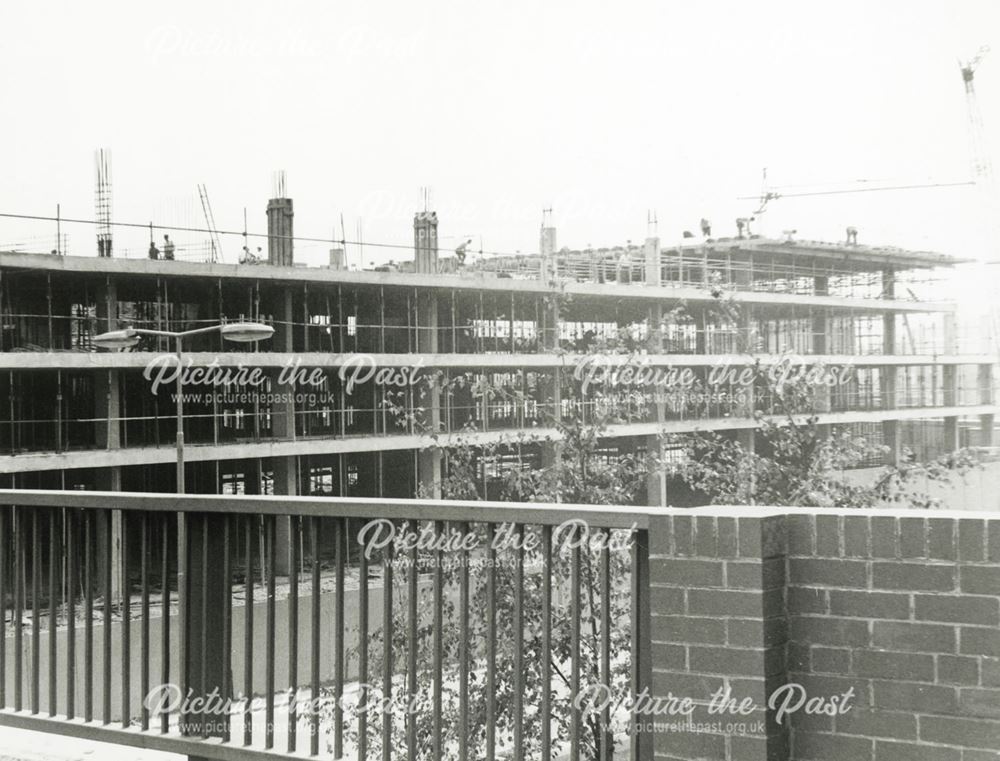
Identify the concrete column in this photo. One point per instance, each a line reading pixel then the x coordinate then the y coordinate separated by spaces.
pixel 986 425
pixel 821 344
pixel 550 323
pixel 949 342
pixel 888 375
pixel 110 479
pixel 950 385
pixel 889 318
pixel 950 390
pixel 285 469
pixel 985 383
pixel 656 479
pixel 107 408
pixel 747 439
pixel 742 275
pixel 655 334
pixel 107 403
pixel 745 342
pixel 890 437
pixel 547 253
pixel 552 395
pixel 951 434
pixel 429 460
pixel 107 306
pixel 821 319
pixel 651 259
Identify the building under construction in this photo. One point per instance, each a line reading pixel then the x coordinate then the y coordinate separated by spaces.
pixel 80 417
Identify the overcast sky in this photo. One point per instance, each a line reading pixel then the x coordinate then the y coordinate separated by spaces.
pixel 599 110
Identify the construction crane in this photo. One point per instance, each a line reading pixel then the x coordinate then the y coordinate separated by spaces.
pixel 982 172
pixel 982 167
pixel 771 193
pixel 206 208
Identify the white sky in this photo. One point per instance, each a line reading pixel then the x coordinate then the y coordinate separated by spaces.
pixel 600 110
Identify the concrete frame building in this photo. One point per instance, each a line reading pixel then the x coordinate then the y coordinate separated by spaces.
pixel 82 418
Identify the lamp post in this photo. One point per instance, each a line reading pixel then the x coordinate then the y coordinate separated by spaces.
pixel 201 647
pixel 238 332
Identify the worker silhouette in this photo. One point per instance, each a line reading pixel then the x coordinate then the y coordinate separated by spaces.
pixel 154 252
pixel 168 248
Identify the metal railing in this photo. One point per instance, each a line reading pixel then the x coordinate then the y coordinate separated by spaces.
pixel 204 596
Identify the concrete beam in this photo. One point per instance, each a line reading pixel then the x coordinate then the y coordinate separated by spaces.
pixel 476 281
pixel 23 463
pixel 278 359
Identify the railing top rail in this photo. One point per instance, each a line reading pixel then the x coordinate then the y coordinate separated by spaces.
pixel 596 516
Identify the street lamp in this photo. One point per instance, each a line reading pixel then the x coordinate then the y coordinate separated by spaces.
pixel 238 332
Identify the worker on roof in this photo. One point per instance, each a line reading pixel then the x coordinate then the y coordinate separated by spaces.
pixel 168 248
pixel 154 252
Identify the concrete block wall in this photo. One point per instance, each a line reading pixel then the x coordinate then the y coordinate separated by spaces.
pixel 901 608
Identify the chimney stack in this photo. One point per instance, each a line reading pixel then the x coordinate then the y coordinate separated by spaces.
pixel 337 259
pixel 279 226
pixel 547 246
pixel 425 242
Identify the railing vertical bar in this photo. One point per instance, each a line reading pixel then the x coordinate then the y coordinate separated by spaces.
pixel 293 628
pixel 144 623
pixel 4 538
pixel 463 650
pixel 363 696
pixel 314 545
pixel 437 664
pixel 546 691
pixel 183 614
pixel 227 618
pixel 165 613
pixel 19 569
pixel 641 742
pixel 411 646
pixel 269 558
pixel 88 615
pixel 54 590
pixel 607 740
pixel 575 605
pixel 36 624
pixel 106 638
pixel 387 637
pixel 126 629
pixel 248 634
pixel 519 681
pixel 339 631
pixel 491 642
pixel 72 580
pixel 203 618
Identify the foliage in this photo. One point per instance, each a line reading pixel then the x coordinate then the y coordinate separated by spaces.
pixel 562 459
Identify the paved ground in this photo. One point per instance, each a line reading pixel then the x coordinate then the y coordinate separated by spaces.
pixel 22 745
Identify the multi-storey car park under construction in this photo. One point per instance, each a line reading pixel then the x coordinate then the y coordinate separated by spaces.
pixel 80 417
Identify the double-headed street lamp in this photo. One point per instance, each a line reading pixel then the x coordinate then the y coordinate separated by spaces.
pixel 200 605
pixel 238 332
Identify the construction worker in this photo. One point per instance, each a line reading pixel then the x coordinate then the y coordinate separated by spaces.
pixel 154 252
pixel 168 248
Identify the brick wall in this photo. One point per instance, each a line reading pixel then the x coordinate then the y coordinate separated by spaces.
pixel 899 609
